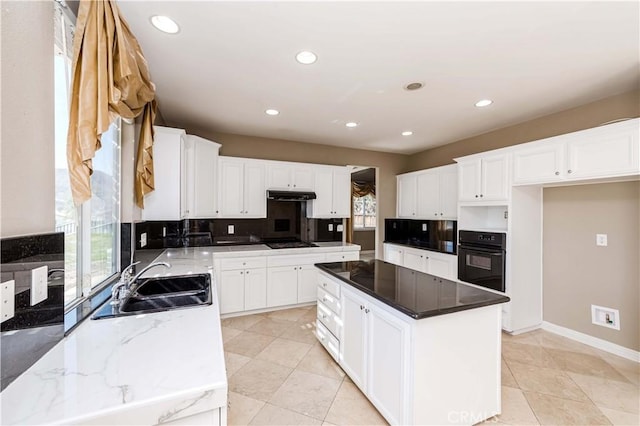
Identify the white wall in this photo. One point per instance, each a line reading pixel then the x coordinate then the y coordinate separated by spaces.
pixel 27 184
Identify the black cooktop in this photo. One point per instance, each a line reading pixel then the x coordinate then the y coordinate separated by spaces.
pixel 413 293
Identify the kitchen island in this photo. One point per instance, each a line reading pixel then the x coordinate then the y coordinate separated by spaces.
pixel 423 349
pixel 165 367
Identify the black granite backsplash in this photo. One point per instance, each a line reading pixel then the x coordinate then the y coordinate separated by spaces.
pixel 33 329
pixel 436 235
pixel 284 219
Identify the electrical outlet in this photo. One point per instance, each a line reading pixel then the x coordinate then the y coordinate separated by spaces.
pixel 7 300
pixel 143 239
pixel 231 229
pixel 605 317
pixel 39 288
pixel 164 231
pixel 424 227
pixel 601 240
pixel 331 227
pixel 339 228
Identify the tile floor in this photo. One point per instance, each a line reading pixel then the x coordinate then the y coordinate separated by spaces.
pixel 280 375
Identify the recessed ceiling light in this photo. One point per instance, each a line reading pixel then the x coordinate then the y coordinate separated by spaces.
pixel 272 112
pixel 484 103
pixel 351 124
pixel 165 24
pixel 305 57
pixel 414 86
pixel 407 133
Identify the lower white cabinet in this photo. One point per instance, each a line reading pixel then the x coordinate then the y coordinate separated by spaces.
pixel 430 262
pixel 243 290
pixel 375 347
pixel 282 285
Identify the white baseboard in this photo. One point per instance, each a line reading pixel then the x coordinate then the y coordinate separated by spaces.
pixel 592 341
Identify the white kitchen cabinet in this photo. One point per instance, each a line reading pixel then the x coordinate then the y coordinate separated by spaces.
pixel 540 162
pixel 242 190
pixel 374 348
pixel 290 176
pixel 344 256
pixel 201 177
pixel 332 186
pixel 167 201
pixel 282 286
pixel 428 194
pixel 242 284
pixel 430 262
pixel 307 283
pixel 255 289
pixel 483 178
pixel 231 291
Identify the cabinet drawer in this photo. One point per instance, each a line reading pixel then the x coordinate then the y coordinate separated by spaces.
pixel 343 256
pixel 295 260
pixel 329 285
pixel 328 318
pixel 329 300
pixel 243 263
pixel 328 340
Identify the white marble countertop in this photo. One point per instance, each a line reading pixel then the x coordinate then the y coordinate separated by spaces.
pixel 264 250
pixel 143 369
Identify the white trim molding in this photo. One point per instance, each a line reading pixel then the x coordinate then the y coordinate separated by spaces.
pixel 592 341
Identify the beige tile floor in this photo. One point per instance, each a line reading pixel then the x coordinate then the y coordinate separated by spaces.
pixel 280 375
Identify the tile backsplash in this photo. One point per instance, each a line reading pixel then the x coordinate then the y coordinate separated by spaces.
pixel 34 328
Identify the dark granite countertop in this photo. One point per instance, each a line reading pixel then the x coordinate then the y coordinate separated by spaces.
pixel 413 293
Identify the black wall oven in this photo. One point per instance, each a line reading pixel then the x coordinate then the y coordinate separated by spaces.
pixel 481 258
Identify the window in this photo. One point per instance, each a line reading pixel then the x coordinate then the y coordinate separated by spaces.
pixel 364 212
pixel 92 231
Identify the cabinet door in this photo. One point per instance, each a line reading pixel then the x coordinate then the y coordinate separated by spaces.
pixel 415 259
pixel 603 153
pixel 406 287
pixel 542 162
pixel 303 178
pixel 341 193
pixel 406 206
pixel 387 363
pixel 164 202
pixel 343 256
pixel 231 291
pixel 442 265
pixel 255 195
pixel 187 182
pixel 307 283
pixel 231 188
pixel 469 180
pixel 282 286
pixel 322 206
pixel 495 178
pixel 204 171
pixel 279 176
pixel 448 181
pixel 255 289
pixel 428 196
pixel 352 344
pixel 393 254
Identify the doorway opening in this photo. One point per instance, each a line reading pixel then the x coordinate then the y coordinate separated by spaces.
pixel 362 225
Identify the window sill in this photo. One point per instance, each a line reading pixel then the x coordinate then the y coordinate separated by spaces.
pixel 364 229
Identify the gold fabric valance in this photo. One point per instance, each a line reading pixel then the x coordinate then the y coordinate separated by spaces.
pixel 360 189
pixel 110 78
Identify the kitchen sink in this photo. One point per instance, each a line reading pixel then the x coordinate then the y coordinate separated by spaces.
pixel 161 294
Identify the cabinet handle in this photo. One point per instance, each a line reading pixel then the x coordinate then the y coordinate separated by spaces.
pixel 366 311
pixel 481 195
pixel 247 272
pixel 361 307
pixel 557 173
pixel 569 171
pixel 476 195
pixel 294 185
pixel 324 299
pixel 241 272
pixel 436 214
pixel 217 211
pixel 440 214
pixel 427 257
pixel 288 185
pixel 244 263
pixel 421 256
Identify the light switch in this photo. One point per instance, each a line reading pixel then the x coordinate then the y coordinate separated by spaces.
pixel 7 300
pixel 331 227
pixel 39 290
pixel 601 240
pixel 143 239
pixel 231 229
pixel 424 227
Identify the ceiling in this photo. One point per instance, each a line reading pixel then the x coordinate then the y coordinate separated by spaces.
pixel 233 60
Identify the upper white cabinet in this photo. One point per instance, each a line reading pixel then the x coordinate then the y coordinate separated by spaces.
pixel 333 191
pixel 601 152
pixel 185 176
pixel 290 176
pixel 242 191
pixel 428 194
pixel 201 177
pixel 484 178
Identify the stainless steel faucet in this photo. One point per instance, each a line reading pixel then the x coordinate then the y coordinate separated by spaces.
pixel 125 287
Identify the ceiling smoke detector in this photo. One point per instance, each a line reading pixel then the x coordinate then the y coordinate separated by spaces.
pixel 414 86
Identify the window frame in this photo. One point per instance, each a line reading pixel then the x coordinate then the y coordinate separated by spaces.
pixel 364 215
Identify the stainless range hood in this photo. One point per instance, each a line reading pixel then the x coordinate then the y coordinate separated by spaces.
pixel 290 195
